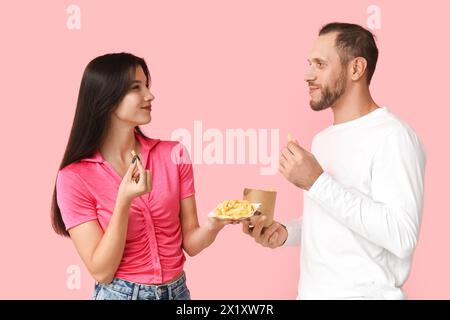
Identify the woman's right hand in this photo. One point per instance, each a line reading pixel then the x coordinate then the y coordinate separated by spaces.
pixel 135 184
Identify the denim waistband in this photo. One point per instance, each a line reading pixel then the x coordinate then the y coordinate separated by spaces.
pixel 133 288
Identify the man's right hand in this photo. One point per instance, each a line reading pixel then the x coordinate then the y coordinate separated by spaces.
pixel 271 237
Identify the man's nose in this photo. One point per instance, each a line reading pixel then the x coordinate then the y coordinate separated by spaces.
pixel 309 75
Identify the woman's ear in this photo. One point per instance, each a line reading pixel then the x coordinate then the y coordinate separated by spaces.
pixel 359 66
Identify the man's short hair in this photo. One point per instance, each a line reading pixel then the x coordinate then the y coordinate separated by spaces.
pixel 354 41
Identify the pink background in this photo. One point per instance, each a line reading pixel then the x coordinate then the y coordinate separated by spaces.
pixel 221 62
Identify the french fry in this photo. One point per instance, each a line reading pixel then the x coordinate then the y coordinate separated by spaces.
pixel 290 138
pixel 135 156
pixel 135 178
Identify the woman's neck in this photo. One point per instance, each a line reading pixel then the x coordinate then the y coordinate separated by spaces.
pixel 118 143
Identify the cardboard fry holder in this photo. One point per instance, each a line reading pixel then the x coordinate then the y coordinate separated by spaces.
pixel 267 200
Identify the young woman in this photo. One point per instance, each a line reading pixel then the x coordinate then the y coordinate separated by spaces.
pixel 130 218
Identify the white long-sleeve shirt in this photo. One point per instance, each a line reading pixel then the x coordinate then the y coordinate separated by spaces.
pixel 361 218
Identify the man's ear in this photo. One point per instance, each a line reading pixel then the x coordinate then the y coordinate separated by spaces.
pixel 358 68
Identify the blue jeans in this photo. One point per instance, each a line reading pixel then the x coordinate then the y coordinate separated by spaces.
pixel 120 289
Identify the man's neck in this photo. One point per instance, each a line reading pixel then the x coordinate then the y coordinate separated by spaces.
pixel 353 105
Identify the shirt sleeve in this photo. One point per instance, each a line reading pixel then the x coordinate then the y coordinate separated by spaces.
pixel 74 199
pixel 391 217
pixel 186 173
pixel 294 228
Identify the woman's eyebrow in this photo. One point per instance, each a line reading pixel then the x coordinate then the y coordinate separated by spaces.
pixel 135 81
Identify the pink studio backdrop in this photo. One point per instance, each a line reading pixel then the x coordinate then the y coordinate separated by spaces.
pixel 229 64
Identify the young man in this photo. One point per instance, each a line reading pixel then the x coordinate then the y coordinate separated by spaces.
pixel 363 180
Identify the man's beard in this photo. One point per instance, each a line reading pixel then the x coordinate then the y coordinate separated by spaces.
pixel 328 97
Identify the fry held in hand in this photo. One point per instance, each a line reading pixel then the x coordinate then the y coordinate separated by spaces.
pixel 135 175
pixel 290 138
pixel 135 156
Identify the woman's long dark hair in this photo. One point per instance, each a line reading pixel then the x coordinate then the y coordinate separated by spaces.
pixel 106 80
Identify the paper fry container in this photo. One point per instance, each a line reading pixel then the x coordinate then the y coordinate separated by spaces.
pixel 267 200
